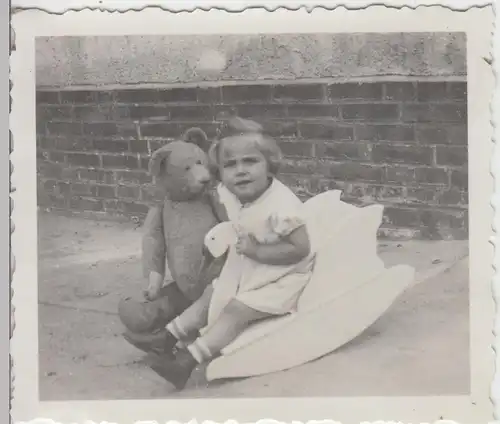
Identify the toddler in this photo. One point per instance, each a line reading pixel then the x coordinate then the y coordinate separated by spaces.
pixel 266 269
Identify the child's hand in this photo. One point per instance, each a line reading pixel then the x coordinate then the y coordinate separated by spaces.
pixel 246 244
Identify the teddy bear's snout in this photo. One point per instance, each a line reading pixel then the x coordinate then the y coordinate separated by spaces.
pixel 202 175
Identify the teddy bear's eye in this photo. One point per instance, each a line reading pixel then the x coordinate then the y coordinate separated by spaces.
pixel 188 168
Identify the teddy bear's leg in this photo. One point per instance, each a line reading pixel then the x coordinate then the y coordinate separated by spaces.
pixel 140 316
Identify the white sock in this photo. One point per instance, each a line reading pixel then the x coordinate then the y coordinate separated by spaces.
pixel 200 351
pixel 176 329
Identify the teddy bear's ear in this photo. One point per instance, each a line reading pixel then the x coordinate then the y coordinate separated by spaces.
pixel 158 159
pixel 197 136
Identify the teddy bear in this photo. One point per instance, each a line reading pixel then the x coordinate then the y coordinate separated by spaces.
pixel 174 259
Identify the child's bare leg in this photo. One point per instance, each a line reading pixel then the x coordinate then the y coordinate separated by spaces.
pixel 193 318
pixel 234 319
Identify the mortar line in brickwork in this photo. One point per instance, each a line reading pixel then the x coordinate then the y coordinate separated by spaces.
pixel 384 92
pixel 434 156
pixel 224 83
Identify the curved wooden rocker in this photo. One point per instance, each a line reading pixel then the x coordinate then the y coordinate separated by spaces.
pixel 349 290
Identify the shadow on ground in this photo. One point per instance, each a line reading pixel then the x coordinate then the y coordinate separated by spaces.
pixel 419 347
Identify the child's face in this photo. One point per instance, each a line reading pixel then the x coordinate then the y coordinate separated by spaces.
pixel 243 168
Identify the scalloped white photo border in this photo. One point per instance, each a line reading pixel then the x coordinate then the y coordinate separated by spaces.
pixel 483 112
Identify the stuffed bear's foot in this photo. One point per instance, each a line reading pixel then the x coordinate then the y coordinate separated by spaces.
pixel 143 317
pixel 161 342
pixel 140 316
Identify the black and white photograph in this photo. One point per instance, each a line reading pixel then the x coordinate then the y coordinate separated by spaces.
pixel 270 211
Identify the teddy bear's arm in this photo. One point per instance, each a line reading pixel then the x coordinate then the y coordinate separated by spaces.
pixel 153 243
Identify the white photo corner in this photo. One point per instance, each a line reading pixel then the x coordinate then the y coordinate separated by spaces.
pixel 256 215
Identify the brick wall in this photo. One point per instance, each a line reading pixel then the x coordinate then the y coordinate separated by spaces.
pixel 402 144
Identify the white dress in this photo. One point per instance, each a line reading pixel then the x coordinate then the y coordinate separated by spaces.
pixel 267 288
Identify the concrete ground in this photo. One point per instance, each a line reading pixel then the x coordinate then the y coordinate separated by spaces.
pixel 419 347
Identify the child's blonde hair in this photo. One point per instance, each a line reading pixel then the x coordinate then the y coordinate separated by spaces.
pixel 265 144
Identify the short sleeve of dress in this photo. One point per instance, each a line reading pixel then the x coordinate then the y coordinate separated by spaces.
pixel 284 223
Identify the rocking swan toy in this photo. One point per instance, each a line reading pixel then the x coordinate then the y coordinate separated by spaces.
pixel 349 290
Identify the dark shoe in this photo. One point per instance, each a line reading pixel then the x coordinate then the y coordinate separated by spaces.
pixel 162 341
pixel 176 371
